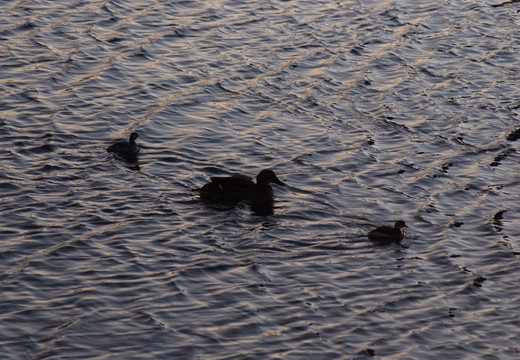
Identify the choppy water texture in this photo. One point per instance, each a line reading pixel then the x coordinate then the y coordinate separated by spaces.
pixel 369 111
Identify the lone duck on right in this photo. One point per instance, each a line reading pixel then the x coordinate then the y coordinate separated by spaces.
pixel 388 233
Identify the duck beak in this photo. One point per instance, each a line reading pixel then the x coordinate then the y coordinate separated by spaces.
pixel 279 182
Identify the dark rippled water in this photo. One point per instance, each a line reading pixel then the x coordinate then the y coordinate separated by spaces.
pixel 370 112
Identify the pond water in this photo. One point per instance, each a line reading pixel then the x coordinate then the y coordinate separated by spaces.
pixel 369 111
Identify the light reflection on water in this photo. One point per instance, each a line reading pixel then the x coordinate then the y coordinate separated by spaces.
pixel 368 112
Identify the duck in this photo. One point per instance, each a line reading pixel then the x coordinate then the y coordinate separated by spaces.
pixel 240 187
pixel 388 233
pixel 127 150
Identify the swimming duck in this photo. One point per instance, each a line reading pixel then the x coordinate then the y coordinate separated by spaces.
pixel 388 233
pixel 241 187
pixel 127 150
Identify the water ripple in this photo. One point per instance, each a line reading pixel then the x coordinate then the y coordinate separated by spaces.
pixel 369 113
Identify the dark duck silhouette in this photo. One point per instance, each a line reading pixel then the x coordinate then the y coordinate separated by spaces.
pixel 240 187
pixel 388 233
pixel 127 150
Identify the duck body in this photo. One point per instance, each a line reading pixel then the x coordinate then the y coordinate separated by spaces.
pixel 388 233
pixel 240 187
pixel 127 150
pixel 227 188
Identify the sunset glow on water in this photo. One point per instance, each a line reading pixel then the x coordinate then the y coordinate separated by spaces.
pixel 369 112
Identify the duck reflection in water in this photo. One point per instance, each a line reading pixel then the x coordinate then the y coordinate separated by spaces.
pixel 388 233
pixel 240 187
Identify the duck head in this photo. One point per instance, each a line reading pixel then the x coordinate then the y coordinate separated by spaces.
pixel 133 136
pixel 399 224
pixel 267 177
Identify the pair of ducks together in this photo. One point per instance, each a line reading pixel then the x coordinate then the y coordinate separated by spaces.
pixel 240 187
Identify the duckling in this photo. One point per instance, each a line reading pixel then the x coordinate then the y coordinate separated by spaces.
pixel 241 187
pixel 388 233
pixel 127 150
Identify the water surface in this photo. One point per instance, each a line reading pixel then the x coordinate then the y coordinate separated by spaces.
pixel 369 111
